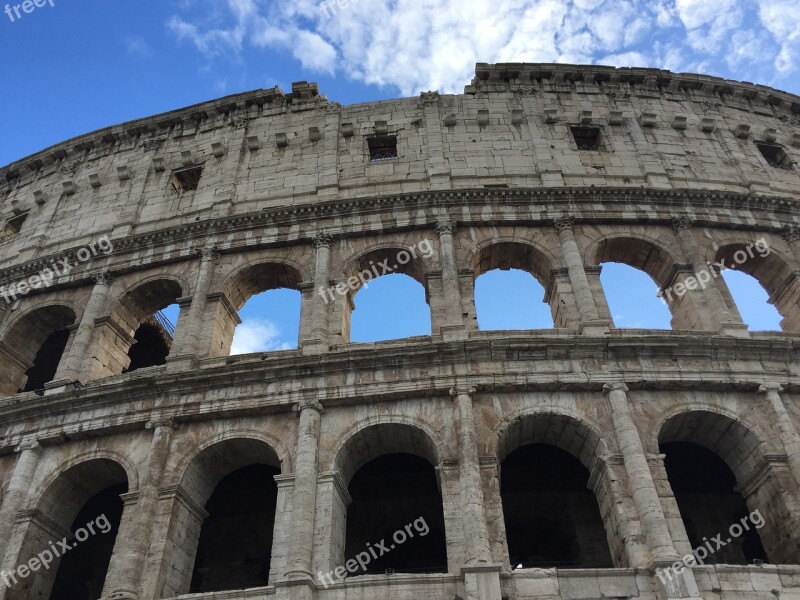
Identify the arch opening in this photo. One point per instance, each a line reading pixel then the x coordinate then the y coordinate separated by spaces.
pixel 552 519
pixel 260 311
pixel 396 503
pixel 511 281
pixel 33 348
pixel 235 545
pixel 388 308
pixel 83 504
pixel 633 299
pixel 705 490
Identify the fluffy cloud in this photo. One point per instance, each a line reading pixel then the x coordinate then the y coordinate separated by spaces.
pixel 434 44
pixel 258 335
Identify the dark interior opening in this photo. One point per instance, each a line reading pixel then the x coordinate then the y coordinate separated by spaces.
pixel 14 224
pixel 45 364
pixel 186 180
pixel 151 347
pixel 587 138
pixel 774 155
pixel 704 488
pixel 235 544
pixel 390 493
pixel 82 571
pixel 382 147
pixel 552 519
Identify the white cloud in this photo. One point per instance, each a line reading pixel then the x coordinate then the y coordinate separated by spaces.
pixel 258 335
pixel 434 44
pixel 138 48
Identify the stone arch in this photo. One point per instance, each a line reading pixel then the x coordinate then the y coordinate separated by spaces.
pixel 771 270
pixel 588 532
pixel 756 480
pixel 390 472
pixel 40 329
pixel 260 276
pixel 84 493
pixel 195 551
pixel 366 265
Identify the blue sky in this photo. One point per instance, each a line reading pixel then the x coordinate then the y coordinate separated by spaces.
pixel 75 66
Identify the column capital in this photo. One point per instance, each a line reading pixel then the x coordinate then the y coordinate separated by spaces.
pixel 564 223
pixel 103 278
pixel 208 253
pixel 681 223
pixel 170 422
pixel 791 233
pixel 772 386
pixel 308 404
pixel 463 391
pixel 615 387
pixel 29 444
pixel 322 239
pixel 445 225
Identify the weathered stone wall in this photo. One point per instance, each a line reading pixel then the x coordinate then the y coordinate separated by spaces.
pixel 493 179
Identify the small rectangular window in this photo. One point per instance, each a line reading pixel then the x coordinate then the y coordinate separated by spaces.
pixel 186 180
pixel 587 138
pixel 382 148
pixel 774 155
pixel 13 226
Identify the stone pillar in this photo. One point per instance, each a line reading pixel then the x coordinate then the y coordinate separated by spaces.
pixel 587 309
pixel 711 305
pixel 645 497
pixel 320 339
pixel 643 489
pixel 305 491
pixel 788 432
pixel 127 565
pixel 17 492
pixel 454 325
pixel 188 341
pixel 481 577
pixel 73 365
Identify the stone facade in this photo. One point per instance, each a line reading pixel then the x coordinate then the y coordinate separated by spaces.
pixel 288 197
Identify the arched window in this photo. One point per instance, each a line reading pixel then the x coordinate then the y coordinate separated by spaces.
pixel 708 458
pixel 235 545
pixel 84 503
pixel 397 502
pixel 269 321
pixel 752 301
pixel 633 298
pixel 390 307
pixel 509 280
pixel 259 311
pixel 552 519
pixel 633 271
pixel 32 349
pixel 230 546
pixel 385 296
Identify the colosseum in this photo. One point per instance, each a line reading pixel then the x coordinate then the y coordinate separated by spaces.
pixel 579 462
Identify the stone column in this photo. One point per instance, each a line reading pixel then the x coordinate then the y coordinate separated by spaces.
pixel 454 311
pixel 127 565
pixel 788 432
pixel 305 491
pixel 17 492
pixel 319 341
pixel 712 305
pixel 470 480
pixel 72 366
pixel 209 257
pixel 643 489
pixel 481 577
pixel 587 309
